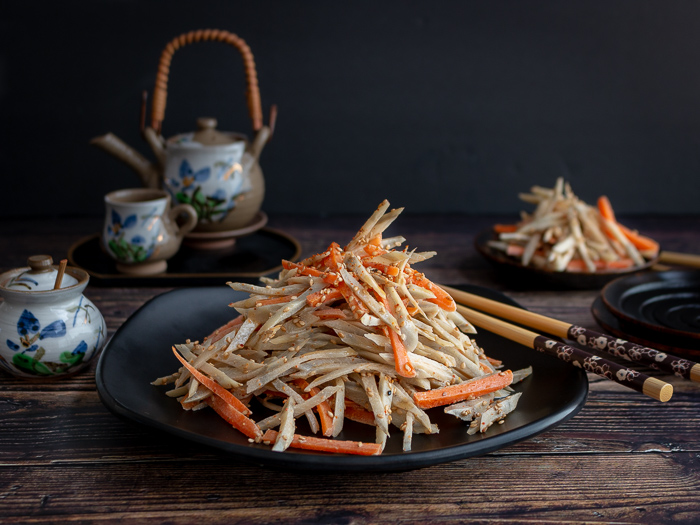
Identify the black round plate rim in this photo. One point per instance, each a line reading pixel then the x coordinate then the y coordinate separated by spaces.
pixel 614 291
pixel 262 455
pixel 636 334
pixel 572 279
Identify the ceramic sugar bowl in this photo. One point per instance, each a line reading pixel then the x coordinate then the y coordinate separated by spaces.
pixel 47 332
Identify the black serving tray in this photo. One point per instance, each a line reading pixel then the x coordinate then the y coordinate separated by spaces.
pixel 252 257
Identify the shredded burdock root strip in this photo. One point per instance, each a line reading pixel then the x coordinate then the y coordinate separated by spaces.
pixel 350 333
pixel 566 234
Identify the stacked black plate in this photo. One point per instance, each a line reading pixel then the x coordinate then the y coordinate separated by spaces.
pixel 656 309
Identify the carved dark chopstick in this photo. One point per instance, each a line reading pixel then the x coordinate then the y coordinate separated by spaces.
pixel 650 386
pixel 585 336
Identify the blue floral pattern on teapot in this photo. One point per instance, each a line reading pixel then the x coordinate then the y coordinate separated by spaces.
pixel 212 197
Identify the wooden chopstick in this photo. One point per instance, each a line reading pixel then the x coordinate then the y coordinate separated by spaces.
pixel 59 275
pixel 650 386
pixel 585 336
pixel 682 259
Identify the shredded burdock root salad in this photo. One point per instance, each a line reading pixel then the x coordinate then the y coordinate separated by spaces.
pixel 351 333
pixel 566 234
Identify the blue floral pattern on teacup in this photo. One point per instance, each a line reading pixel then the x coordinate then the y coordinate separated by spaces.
pixel 125 240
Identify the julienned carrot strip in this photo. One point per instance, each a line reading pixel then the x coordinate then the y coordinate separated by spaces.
pixel 442 298
pixel 274 300
pixel 639 241
pixel 275 393
pixel 355 412
pixel 505 228
pixel 234 417
pixel 328 445
pixel 462 391
pixel 329 313
pixel 579 265
pixel 515 250
pixel 372 251
pixel 323 408
pixel 494 362
pixel 310 271
pixel 391 271
pixel 401 363
pixel 212 385
pixel 620 263
pixel 334 259
pixel 187 405
pixel 605 208
pixel 223 330
pixel 323 296
pixel 307 270
pixel 357 306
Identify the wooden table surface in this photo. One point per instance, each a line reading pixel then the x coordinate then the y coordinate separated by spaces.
pixel 624 458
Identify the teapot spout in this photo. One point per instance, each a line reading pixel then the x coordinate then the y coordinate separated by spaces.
pixel 149 173
pixel 157 144
pixel 259 142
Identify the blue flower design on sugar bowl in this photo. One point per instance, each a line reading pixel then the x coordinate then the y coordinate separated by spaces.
pixel 45 331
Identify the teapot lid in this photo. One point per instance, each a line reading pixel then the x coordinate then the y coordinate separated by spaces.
pixel 39 277
pixel 208 135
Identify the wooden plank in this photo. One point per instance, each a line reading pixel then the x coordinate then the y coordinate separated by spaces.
pixel 76 427
pixel 660 488
pixel 623 458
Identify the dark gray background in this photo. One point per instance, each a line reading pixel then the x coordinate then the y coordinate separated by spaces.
pixel 438 106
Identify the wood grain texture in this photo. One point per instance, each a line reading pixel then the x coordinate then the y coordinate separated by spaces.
pixel 624 458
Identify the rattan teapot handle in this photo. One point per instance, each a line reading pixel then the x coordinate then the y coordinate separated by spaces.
pixel 160 91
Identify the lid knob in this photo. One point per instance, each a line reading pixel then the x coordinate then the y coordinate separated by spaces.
pixel 206 123
pixel 208 135
pixel 40 263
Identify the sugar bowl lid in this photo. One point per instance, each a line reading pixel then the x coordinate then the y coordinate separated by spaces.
pixel 42 275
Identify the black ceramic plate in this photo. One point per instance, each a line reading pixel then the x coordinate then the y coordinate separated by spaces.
pixel 638 334
pixel 667 303
pixel 250 258
pixel 514 271
pixel 140 351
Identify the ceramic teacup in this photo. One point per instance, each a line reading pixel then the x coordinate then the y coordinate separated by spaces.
pixel 141 230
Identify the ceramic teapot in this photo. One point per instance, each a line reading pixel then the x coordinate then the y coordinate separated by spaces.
pixel 47 331
pixel 217 172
